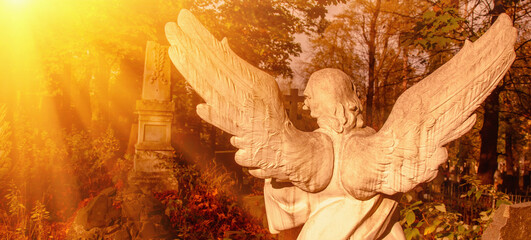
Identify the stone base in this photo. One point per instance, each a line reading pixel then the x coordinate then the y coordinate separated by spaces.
pixel 153 181
pixel 150 161
pixel 151 171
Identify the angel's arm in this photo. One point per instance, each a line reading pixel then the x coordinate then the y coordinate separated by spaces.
pixel 409 148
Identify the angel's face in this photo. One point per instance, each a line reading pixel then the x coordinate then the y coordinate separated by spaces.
pixel 308 102
pixel 322 100
pixel 314 100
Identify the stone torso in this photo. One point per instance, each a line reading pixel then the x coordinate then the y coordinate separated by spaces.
pixel 332 208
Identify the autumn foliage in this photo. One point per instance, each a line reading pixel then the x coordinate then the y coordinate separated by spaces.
pixel 206 207
pixel 71 71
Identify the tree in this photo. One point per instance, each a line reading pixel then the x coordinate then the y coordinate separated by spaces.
pixel 508 95
pixel 514 100
pixel 366 41
pixel 336 48
pixel 263 32
pixel 422 38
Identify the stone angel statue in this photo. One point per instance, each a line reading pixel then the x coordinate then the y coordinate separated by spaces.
pixel 341 180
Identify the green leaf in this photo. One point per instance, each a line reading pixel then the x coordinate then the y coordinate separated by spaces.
pixel 451 236
pixel 478 194
pixel 414 233
pixel 416 203
pixel 445 18
pixel 429 229
pixel 419 224
pixel 436 222
pixel 499 202
pixel 410 217
pixel 429 15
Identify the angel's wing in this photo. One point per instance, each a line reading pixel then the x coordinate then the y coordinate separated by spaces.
pixel 409 148
pixel 246 102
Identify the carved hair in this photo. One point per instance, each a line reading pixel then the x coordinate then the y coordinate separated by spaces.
pixel 343 110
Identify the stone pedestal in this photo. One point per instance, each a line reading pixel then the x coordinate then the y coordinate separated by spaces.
pixel 153 150
pixel 154 135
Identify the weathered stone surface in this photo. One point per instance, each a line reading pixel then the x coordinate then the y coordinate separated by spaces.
pixel 338 180
pixel 155 114
pixel 92 234
pixel 133 213
pixel 121 234
pixel 151 230
pixel 138 216
pixel 510 222
pixel 138 205
pixel 157 70
pixel 152 161
pixel 99 212
pixel 155 106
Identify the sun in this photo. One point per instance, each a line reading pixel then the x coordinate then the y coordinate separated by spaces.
pixel 17 3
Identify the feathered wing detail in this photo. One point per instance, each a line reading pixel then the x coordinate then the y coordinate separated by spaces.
pixel 409 148
pixel 246 102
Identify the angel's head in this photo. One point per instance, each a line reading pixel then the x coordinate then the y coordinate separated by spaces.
pixel 331 97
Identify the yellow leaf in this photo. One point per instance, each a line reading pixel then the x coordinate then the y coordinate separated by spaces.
pixel 441 208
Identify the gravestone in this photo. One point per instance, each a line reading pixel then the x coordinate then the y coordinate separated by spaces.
pixel 291 102
pixel 300 117
pixel 153 148
pixel 510 222
pixel 132 212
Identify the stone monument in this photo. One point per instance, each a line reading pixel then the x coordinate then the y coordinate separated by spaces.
pixel 510 222
pixel 291 102
pixel 132 212
pixel 340 181
pixel 155 113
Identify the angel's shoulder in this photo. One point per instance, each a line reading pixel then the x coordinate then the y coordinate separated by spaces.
pixel 359 136
pixel 362 132
pixel 354 134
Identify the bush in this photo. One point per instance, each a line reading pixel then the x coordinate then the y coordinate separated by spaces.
pixel 45 173
pixel 206 207
pixel 435 220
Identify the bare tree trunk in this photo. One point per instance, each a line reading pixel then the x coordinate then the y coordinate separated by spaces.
pixel 372 63
pixel 405 72
pixel 212 139
pixel 80 94
pixel 509 152
pixel 510 179
pixel 100 99
pixel 488 159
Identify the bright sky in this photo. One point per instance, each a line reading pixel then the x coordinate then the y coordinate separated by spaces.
pixel 18 59
pixel 21 51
